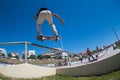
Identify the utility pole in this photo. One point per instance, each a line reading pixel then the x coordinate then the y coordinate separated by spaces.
pixel 118 40
pixel 26 52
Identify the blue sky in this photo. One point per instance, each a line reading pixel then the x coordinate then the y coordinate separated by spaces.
pixel 87 22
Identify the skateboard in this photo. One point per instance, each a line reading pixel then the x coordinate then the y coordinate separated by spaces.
pixel 93 60
pixel 48 38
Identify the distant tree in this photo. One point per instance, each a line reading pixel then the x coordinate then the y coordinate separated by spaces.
pixel 40 57
pixel 53 57
pixel 84 55
pixel 47 56
pixel 32 57
pixel 75 55
pixel 2 55
pixel 23 56
pixel 58 57
pixel 9 55
pixel 17 57
pixel 94 51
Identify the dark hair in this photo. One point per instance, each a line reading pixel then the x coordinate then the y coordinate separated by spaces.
pixel 43 8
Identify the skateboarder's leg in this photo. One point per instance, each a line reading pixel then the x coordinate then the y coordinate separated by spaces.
pixel 92 57
pixel 54 29
pixel 39 29
pixel 40 20
pixel 50 20
pixel 89 58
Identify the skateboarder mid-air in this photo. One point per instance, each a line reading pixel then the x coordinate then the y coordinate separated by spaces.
pixel 46 14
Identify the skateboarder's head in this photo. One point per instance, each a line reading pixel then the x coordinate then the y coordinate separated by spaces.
pixel 43 8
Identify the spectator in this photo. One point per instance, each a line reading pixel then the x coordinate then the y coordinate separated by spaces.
pixel 97 51
pixel 80 57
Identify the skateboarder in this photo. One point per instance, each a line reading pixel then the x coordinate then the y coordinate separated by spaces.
pixel 46 14
pixel 89 53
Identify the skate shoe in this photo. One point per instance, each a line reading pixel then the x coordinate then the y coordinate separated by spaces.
pixel 56 37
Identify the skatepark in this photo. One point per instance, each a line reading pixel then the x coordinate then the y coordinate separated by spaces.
pixel 107 61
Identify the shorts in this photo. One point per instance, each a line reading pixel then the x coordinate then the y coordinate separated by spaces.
pixel 45 15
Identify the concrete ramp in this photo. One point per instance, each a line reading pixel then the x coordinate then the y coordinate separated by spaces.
pixel 26 71
pixel 109 61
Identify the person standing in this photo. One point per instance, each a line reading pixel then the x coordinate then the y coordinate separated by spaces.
pixel 80 57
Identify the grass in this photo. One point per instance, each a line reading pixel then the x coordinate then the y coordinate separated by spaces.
pixel 111 76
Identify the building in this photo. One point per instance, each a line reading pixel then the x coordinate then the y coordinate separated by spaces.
pixel 3 51
pixel 57 53
pixel 29 53
pixel 14 55
pixel 64 55
pixel 51 54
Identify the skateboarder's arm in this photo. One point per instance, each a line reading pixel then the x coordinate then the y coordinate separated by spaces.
pixel 61 20
pixel 36 16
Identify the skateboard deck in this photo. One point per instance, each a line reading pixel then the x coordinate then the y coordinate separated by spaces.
pixel 47 38
pixel 93 60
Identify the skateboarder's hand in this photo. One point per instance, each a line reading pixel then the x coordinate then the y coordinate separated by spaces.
pixel 35 17
pixel 62 21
